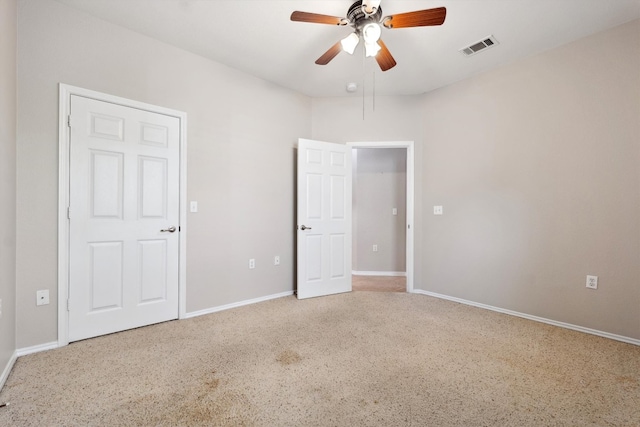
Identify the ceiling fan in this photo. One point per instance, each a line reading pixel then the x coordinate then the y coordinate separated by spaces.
pixel 365 16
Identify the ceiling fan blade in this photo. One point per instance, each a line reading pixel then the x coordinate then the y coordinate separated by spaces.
pixel 330 54
pixel 384 58
pixel 316 18
pixel 419 18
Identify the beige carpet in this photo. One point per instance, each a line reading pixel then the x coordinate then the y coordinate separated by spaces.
pixel 358 359
pixel 379 283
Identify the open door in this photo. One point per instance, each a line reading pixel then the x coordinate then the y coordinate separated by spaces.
pixel 324 218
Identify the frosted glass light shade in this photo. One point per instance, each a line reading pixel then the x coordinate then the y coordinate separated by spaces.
pixel 371 33
pixel 371 49
pixel 349 43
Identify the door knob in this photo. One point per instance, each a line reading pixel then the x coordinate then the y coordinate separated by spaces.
pixel 304 227
pixel 170 229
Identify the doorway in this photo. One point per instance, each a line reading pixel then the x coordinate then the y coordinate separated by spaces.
pixel 383 182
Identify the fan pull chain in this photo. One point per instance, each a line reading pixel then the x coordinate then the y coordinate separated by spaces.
pixel 364 78
pixel 374 90
pixel 363 99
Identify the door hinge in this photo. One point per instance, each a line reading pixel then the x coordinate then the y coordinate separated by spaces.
pixel 69 120
pixel 68 212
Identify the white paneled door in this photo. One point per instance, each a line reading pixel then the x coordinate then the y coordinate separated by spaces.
pixel 124 218
pixel 324 218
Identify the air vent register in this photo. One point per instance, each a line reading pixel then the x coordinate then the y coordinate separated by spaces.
pixel 479 46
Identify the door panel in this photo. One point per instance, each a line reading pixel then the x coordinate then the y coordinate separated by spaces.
pixel 105 275
pixel 153 187
pixel 153 270
pixel 108 127
pixel 124 191
pixel 106 190
pixel 314 196
pixel 324 209
pixel 313 260
pixel 338 246
pixel 337 197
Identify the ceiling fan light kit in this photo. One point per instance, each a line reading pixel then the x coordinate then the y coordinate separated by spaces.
pixel 371 33
pixel 349 43
pixel 365 16
pixel 371 49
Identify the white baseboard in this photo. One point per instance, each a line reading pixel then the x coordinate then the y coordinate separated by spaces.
pixel 50 346
pixel 8 368
pixel 23 352
pixel 603 334
pixel 37 348
pixel 236 304
pixel 379 273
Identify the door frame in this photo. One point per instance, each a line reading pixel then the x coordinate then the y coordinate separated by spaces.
pixel 409 263
pixel 64 134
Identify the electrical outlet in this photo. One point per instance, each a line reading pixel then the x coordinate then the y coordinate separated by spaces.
pixel 252 263
pixel 437 210
pixel 276 260
pixel 375 248
pixel 42 297
pixel 592 282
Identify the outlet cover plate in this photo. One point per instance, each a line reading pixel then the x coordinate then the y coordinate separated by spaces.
pixel 42 297
pixel 592 282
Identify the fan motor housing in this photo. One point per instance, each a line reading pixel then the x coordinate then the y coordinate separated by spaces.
pixel 359 19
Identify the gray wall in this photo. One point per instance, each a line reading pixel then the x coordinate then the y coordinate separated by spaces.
pixel 537 165
pixel 379 185
pixel 241 137
pixel 7 180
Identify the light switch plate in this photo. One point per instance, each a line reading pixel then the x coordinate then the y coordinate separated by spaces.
pixel 193 206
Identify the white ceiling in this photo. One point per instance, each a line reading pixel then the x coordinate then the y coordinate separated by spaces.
pixel 256 36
